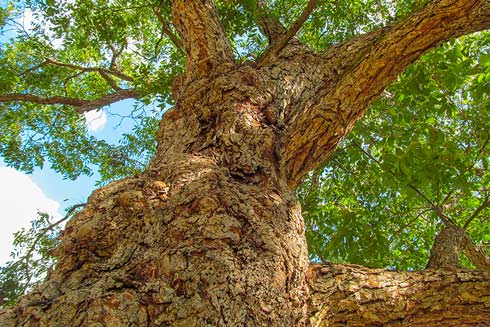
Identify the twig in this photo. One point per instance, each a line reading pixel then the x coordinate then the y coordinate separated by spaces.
pixel 482 206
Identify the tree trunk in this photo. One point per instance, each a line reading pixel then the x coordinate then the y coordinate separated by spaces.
pixel 212 234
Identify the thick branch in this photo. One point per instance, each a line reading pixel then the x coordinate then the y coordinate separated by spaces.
pixel 349 295
pixel 205 43
pixel 357 72
pixel 81 104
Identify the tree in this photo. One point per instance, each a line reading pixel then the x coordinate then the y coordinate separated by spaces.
pixel 210 233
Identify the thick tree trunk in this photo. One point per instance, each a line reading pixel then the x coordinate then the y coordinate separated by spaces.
pixel 212 234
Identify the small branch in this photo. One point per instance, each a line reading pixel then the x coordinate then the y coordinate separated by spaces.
pixel 437 209
pixel 109 80
pixel 279 44
pixel 482 206
pixel 90 69
pixel 300 21
pixel 29 252
pixel 53 225
pixel 268 24
pixel 399 230
pixel 480 152
pixel 81 104
pixel 44 63
pixel 115 55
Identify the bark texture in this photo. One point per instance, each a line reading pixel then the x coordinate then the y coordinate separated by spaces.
pixel 357 296
pixel 212 234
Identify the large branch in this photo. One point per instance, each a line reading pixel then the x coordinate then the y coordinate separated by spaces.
pixel 349 295
pixel 358 71
pixel 204 40
pixel 81 105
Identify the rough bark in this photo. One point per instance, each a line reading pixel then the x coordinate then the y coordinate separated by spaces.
pixel 211 234
pixel 352 295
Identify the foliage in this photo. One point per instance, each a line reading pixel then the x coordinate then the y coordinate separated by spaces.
pixel 31 259
pixel 58 54
pixel 428 136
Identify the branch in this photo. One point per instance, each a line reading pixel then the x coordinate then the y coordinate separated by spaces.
pixel 356 72
pixel 109 80
pixel 112 71
pixel 167 30
pixel 482 206
pixel 281 41
pixel 81 104
pixel 474 253
pixel 448 221
pixel 27 256
pixel 115 55
pixel 350 295
pixel 204 40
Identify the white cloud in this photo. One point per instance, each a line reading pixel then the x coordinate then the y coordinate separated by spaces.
pixel 20 199
pixel 95 119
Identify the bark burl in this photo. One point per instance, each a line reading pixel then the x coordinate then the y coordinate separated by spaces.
pixel 212 234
